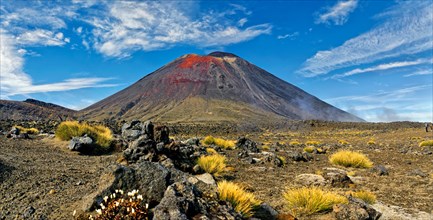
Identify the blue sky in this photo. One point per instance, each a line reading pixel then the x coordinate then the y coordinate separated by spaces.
pixel 370 58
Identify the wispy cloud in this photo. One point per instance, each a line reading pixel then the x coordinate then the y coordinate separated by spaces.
pixel 394 105
pixel 291 36
pixel 127 27
pixel 337 14
pixel 405 31
pixel 420 72
pixel 382 67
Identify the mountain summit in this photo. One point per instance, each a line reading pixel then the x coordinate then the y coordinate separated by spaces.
pixel 217 87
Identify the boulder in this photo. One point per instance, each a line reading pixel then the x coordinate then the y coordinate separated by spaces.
pixel 150 179
pixel 337 177
pixel 206 178
pixel 143 147
pixel 356 209
pixel 298 156
pixel 192 141
pixel 310 180
pixel 80 144
pixel 265 211
pixel 147 128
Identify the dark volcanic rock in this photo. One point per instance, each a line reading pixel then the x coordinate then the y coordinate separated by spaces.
pixel 380 170
pixel 355 210
pixel 80 144
pixel 247 145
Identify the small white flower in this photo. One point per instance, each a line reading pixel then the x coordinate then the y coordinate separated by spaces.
pixel 117 203
pixel 121 191
pixel 117 191
pixel 132 210
pixel 130 200
pixel 106 198
pixel 102 206
pixel 147 206
pixel 140 197
pixel 114 195
pixel 75 212
pixel 127 209
pixel 99 211
pixel 91 217
pixel 123 200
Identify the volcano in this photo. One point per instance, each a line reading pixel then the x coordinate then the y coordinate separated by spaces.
pixel 217 87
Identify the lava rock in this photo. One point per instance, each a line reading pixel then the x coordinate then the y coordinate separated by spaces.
pixel 247 145
pixel 355 210
pixel 162 134
pixel 337 177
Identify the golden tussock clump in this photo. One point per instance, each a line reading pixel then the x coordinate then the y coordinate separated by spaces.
pixel 243 201
pixel 27 130
pixel 313 143
pixel 311 200
pixel 309 149
pixel 350 159
pixel 214 164
pixel 365 196
pixel 226 144
pixel 99 133
pixel 426 143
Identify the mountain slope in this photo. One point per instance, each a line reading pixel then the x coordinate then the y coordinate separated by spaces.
pixel 217 87
pixel 32 109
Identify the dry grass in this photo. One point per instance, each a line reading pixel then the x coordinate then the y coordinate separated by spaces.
pixel 243 202
pixel 214 164
pixel 313 143
pixel 365 196
pixel 426 143
pixel 311 200
pixel 371 142
pixel 211 151
pixel 350 159
pixel 226 144
pixel 27 130
pixel 309 149
pixel 343 142
pixel 100 134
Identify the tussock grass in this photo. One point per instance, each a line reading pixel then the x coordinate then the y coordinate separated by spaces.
pixel 426 143
pixel 214 164
pixel 211 151
pixel 313 143
pixel 309 149
pixel 226 144
pixel 365 196
pixel 27 130
pixel 350 159
pixel 100 134
pixel 371 142
pixel 243 201
pixel 343 142
pixel 309 200
pixel 294 143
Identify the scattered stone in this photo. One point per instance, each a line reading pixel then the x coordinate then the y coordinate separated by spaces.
pixel 310 180
pixel 248 145
pixel 380 170
pixel 192 141
pixel 418 172
pixel 80 144
pixel 337 177
pixel 51 192
pixel 298 156
pixel 28 212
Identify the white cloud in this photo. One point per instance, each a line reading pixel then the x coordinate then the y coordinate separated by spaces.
pixel 292 36
pixel 382 67
pixel 242 22
pixel 79 30
pixel 406 31
pixel 339 13
pixel 147 26
pixel 59 35
pixel 14 81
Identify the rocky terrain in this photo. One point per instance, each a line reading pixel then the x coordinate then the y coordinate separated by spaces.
pixel 40 178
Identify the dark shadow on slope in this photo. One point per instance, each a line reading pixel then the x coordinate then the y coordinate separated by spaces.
pixel 5 171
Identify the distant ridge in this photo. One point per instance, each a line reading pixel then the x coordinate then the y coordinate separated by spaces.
pixel 32 109
pixel 214 88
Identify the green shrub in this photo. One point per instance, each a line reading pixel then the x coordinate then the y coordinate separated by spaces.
pixel 100 134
